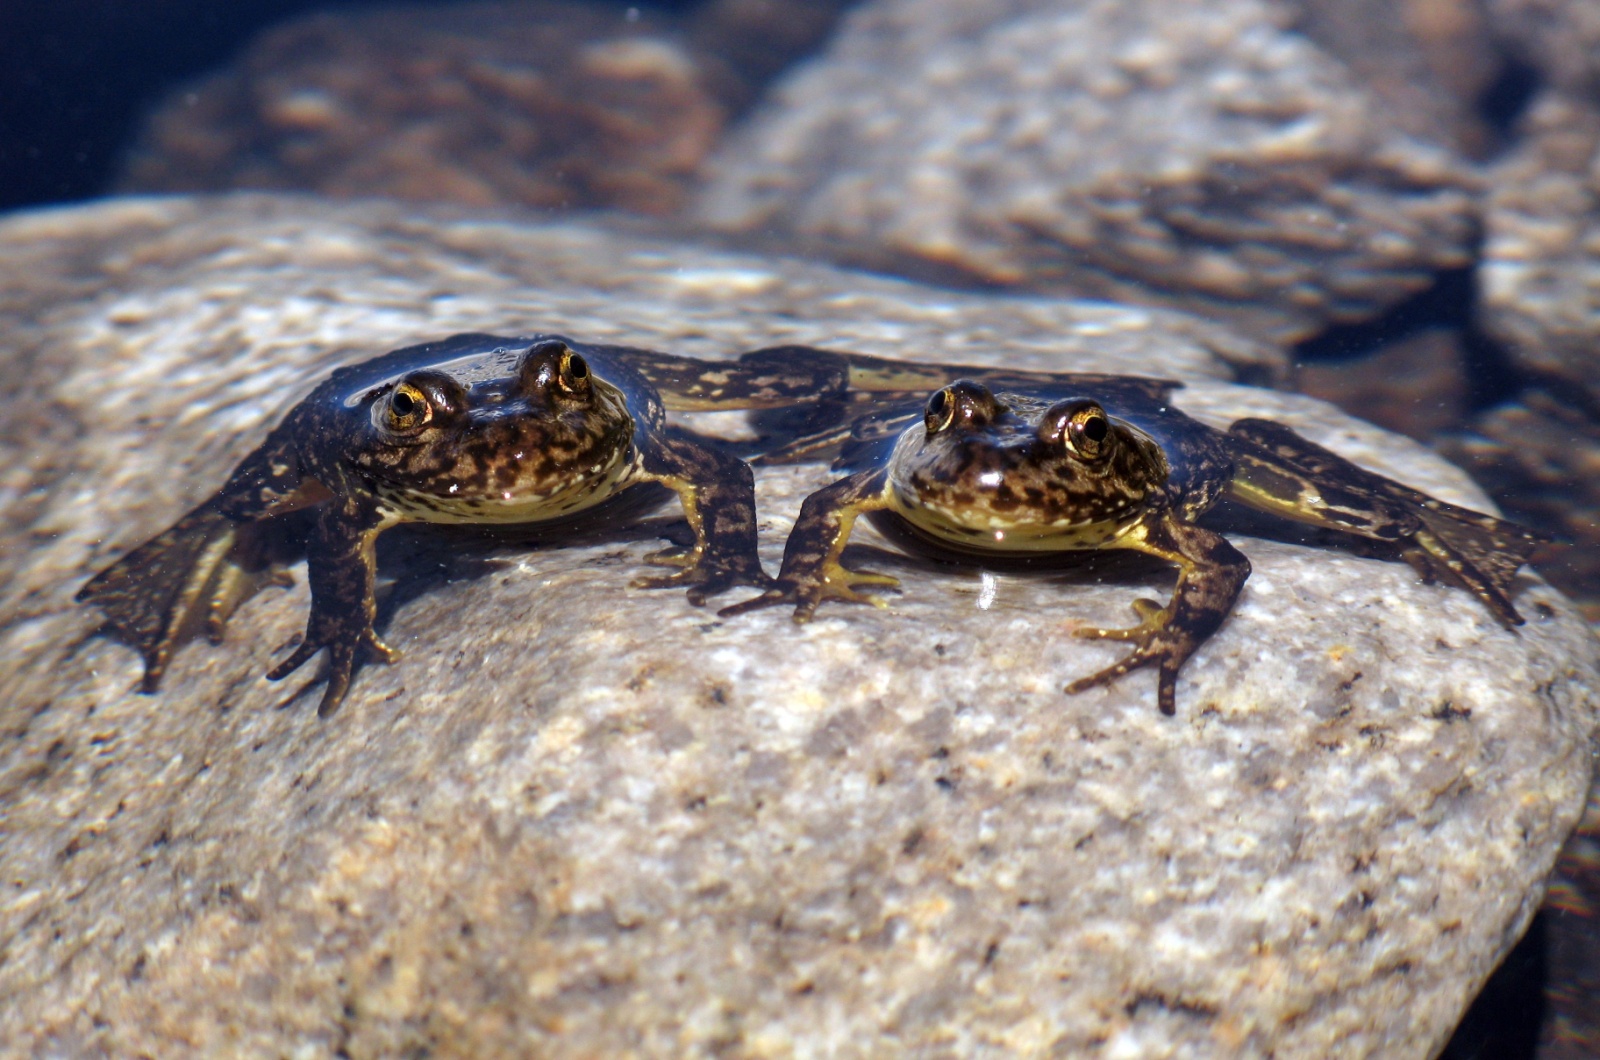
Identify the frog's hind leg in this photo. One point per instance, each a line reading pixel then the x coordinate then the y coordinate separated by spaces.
pixel 1278 471
pixel 1211 573
pixel 192 575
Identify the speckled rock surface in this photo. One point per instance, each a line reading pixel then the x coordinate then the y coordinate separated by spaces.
pixel 579 820
pixel 1132 148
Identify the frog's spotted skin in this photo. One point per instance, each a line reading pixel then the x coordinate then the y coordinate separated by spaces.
pixel 1071 463
pixel 474 429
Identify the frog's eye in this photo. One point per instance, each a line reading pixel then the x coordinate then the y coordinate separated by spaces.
pixel 573 373
pixel 407 409
pixel 964 404
pixel 553 367
pixel 941 410
pixel 1081 426
pixel 1089 432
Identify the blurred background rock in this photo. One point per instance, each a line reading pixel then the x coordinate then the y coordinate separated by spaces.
pixel 550 104
pixel 544 104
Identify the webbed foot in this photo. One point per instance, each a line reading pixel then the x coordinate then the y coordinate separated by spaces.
pixel 1157 643
pixel 836 582
pixel 1278 471
pixel 703 574
pixel 190 577
pixel 234 586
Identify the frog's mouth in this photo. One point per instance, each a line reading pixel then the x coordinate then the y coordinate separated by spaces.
pixel 525 500
pixel 974 528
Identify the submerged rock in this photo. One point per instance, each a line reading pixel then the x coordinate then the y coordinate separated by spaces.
pixel 1431 62
pixel 1558 38
pixel 1416 385
pixel 1539 281
pixel 1193 153
pixel 547 104
pixel 579 819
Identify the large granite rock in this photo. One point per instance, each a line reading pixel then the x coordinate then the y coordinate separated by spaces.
pixel 1189 152
pixel 579 819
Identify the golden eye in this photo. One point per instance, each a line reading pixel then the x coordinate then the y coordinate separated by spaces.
pixel 573 375
pixel 941 410
pixel 1079 426
pixel 1089 432
pixel 407 410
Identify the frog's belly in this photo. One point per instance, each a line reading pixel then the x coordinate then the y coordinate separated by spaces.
pixel 518 504
pixel 974 530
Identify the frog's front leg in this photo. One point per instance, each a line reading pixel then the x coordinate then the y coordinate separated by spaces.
pixel 1211 572
pixel 718 493
pixel 341 568
pixel 811 570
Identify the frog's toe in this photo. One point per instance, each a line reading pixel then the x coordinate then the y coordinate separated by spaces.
pixel 155 668
pixel 778 594
pixel 1151 614
pixel 235 585
pixel 868 577
pixel 722 581
pixel 302 654
pixel 850 595
pixel 341 669
pixel 842 587
pixel 707 577
pixel 673 557
pixel 695 578
pixel 1167 683
pixel 343 658
pixel 807 594
pixel 1101 678
pixel 378 648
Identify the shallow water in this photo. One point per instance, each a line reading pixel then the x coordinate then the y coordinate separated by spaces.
pixel 82 77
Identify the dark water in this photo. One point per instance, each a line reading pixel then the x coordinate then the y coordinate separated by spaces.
pixel 77 76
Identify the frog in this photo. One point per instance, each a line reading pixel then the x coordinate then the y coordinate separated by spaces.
pixel 474 429
pixel 1000 464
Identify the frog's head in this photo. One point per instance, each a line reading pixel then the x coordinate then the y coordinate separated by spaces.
pixel 511 436
pixel 1011 471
